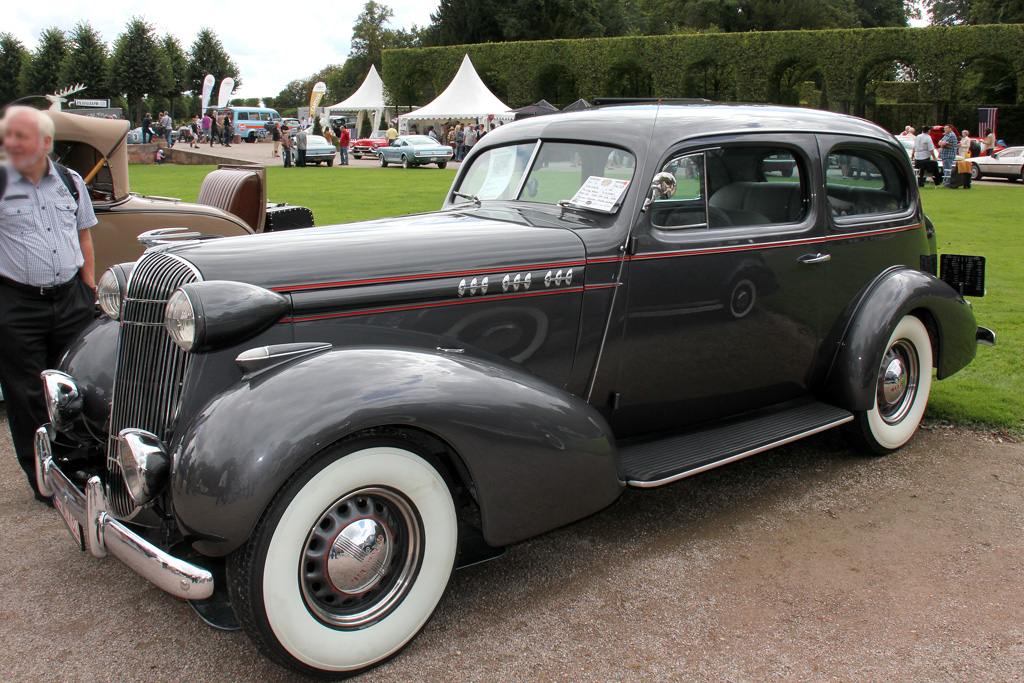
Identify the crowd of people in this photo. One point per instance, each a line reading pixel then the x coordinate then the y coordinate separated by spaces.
pixel 936 154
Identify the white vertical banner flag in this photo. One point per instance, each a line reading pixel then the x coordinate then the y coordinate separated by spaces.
pixel 314 98
pixel 208 84
pixel 224 96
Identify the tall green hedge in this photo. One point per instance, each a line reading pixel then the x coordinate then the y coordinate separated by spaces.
pixel 753 67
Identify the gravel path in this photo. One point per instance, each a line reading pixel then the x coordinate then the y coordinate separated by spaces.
pixel 809 563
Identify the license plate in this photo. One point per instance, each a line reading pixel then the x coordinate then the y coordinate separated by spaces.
pixel 74 528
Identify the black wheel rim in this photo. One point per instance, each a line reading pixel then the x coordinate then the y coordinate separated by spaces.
pixel 361 558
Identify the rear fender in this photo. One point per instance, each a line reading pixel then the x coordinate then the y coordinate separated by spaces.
pixel 538 457
pixel 864 332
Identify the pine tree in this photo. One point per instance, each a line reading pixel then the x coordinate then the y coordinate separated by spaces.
pixel 139 65
pixel 86 62
pixel 13 57
pixel 41 73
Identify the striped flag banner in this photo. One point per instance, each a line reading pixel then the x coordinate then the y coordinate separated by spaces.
pixel 987 119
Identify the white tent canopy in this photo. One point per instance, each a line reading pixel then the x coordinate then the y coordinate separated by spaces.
pixel 465 98
pixel 369 97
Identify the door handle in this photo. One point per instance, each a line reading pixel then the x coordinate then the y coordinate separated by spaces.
pixel 814 258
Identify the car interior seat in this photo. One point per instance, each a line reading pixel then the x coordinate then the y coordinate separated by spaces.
pixel 239 190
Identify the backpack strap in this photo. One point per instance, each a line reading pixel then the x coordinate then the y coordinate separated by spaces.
pixel 69 182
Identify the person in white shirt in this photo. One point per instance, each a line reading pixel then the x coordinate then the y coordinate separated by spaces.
pixel 925 158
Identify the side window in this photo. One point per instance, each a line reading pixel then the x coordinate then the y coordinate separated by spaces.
pixel 862 182
pixel 687 208
pixel 243 116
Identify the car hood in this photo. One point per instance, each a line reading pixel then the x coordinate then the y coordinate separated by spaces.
pixel 441 244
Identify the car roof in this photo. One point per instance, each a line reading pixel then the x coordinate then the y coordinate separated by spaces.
pixel 630 125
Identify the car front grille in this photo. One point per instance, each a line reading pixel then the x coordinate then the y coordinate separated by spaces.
pixel 151 369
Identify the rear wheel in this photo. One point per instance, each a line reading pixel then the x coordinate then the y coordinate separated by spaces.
pixel 330 163
pixel 975 172
pixel 441 164
pixel 349 561
pixel 901 391
pixel 251 137
pixel 406 163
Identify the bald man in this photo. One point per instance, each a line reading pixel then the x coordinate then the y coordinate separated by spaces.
pixel 47 283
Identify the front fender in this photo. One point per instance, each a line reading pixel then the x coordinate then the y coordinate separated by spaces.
pixel 538 457
pixel 864 332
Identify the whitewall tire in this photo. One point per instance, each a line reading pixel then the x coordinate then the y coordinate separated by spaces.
pixel 902 389
pixel 349 561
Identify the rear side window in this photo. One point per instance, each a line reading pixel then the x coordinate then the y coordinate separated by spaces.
pixel 736 186
pixel 863 182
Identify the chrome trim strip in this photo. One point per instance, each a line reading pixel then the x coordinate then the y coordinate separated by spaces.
pixel 105 534
pixel 738 456
pixel 526 171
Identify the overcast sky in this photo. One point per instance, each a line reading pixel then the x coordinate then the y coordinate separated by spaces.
pixel 272 43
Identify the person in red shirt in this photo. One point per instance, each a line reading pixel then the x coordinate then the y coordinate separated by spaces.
pixel 344 138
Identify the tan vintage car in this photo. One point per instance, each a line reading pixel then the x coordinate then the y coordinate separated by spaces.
pixel 232 200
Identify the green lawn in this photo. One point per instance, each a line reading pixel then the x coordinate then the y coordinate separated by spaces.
pixel 984 220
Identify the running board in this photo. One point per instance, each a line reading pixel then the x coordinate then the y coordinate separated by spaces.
pixel 655 463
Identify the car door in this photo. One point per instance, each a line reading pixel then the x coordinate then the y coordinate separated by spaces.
pixel 1008 162
pixel 724 286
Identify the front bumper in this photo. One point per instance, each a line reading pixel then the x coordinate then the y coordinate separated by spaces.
pixel 102 534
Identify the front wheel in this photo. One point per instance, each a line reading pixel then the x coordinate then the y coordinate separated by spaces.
pixel 349 561
pixel 383 161
pixel 901 391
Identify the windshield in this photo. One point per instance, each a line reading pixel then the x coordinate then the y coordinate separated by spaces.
pixel 557 172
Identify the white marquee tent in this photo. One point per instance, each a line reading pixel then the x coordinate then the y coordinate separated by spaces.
pixel 370 97
pixel 465 99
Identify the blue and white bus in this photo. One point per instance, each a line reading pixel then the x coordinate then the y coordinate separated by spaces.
pixel 251 122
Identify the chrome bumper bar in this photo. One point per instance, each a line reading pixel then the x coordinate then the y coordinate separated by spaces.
pixel 985 336
pixel 103 534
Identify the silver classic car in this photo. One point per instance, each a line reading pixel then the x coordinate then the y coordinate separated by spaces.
pixel 1007 163
pixel 415 150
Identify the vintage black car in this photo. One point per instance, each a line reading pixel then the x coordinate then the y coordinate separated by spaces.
pixel 332 420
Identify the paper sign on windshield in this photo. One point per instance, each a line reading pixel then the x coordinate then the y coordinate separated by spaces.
pixel 501 164
pixel 600 194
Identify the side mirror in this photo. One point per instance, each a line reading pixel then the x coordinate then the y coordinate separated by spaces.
pixel 663 186
pixel 531 187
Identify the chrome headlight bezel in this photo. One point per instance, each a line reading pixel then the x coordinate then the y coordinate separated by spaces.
pixel 145 464
pixel 110 291
pixel 63 399
pixel 180 320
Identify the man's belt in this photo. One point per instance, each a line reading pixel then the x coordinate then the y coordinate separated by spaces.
pixel 44 292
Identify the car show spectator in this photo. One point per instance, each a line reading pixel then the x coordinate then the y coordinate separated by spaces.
pixel 460 142
pixel 47 281
pixel 924 158
pixel 215 128
pixel 160 156
pixel 168 124
pixel 947 152
pixel 470 140
pixel 430 133
pixel 206 122
pixel 197 128
pixel 275 135
pixel 286 143
pixel 344 140
pixel 392 134
pixel 300 148
pixel 229 130
pixel 147 131
pixel 990 142
pixel 964 149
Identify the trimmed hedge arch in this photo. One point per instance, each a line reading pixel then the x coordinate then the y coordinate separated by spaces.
pixel 753 60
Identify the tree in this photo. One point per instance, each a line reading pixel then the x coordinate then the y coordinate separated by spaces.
pixel 139 65
pixel 292 95
pixel 458 22
pixel 208 56
pixel 370 35
pixel 41 73
pixel 956 12
pixel 177 68
pixel 86 61
pixel 13 57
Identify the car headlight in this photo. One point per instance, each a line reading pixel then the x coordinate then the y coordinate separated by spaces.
pixel 63 399
pixel 205 315
pixel 110 289
pixel 180 320
pixel 144 464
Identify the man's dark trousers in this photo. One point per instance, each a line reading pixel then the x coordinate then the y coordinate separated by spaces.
pixel 302 159
pixel 35 330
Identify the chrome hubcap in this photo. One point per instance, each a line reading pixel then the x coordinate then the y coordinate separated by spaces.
pixel 361 558
pixel 897 381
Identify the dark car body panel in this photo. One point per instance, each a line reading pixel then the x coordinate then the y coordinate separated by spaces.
pixel 506 425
